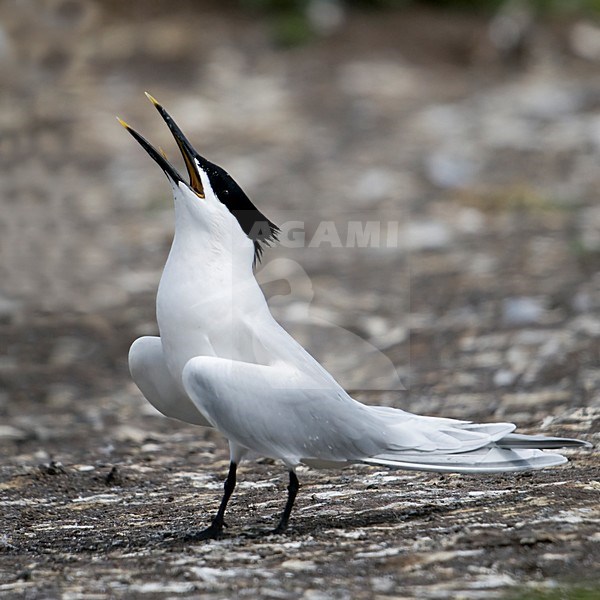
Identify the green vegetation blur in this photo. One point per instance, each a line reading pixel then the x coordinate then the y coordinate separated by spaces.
pixel 292 25
pixel 552 6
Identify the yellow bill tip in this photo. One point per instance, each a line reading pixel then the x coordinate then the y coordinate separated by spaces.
pixel 152 99
pixel 123 123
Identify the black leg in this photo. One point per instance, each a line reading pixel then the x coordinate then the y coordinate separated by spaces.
pixel 292 491
pixel 215 529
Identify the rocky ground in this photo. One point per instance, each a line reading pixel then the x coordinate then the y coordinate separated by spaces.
pixel 481 155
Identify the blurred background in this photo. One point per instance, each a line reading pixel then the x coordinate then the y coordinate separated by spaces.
pixel 470 129
pixel 475 130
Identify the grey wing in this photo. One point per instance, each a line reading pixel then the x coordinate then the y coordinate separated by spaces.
pixel 151 374
pixel 282 413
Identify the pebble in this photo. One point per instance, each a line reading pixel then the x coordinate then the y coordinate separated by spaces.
pixel 449 170
pixel 9 308
pixel 523 310
pixel 503 378
pixel 326 16
pixel 585 40
pixel 8 432
pixel 587 325
pixel 376 184
pixel 157 587
pixel 426 235
pixel 378 78
pixel 298 565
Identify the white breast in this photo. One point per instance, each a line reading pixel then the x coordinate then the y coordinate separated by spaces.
pixel 208 312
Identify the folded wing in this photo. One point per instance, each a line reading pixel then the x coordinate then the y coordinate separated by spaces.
pixel 150 373
pixel 282 413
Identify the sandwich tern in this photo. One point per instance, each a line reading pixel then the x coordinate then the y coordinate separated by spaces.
pixel 223 361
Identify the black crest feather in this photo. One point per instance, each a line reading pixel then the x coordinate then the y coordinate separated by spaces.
pixel 255 225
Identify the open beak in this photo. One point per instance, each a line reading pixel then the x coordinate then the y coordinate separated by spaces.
pixel 187 151
pixel 159 158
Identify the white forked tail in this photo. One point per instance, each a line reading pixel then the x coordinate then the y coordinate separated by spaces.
pixel 511 453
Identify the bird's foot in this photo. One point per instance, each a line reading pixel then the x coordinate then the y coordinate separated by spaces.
pixel 281 528
pixel 213 532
